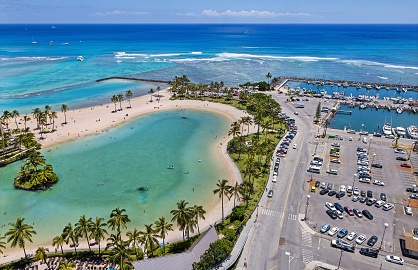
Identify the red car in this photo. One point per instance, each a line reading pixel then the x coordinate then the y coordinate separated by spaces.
pixel 349 211
pixel 405 165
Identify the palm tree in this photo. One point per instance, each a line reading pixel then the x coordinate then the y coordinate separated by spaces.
pixel 14 115
pixel 198 212
pixel 47 110
pixel 64 109
pixel 151 92
pixel 2 244
pixel 65 265
pixel 41 254
pixel 118 219
pixel 19 233
pixel 128 95
pixel 83 228
pixel 163 227
pixel 326 123
pixel 149 238
pixel 119 254
pixel 114 99
pixel 120 98
pixel 26 119
pixel 223 189
pixel 114 240
pixel 158 91
pixel 53 116
pixel 98 232
pixel 5 117
pixel 70 234
pixel 134 239
pixel 234 191
pixel 181 215
pixel 268 76
pixel 59 241
pixel 35 160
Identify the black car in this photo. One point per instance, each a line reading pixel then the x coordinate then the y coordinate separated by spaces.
pixel 367 214
pixel 331 214
pixel 377 165
pixel 364 175
pixel 318 159
pixel 317 183
pixel 340 194
pixel 369 193
pixel 372 240
pixel 383 196
pixel 363 193
pixel 369 252
pixel 332 193
pixel 339 207
pixel 401 158
pixel 363 199
pixel 324 191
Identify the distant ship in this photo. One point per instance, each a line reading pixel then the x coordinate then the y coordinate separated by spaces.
pixel 53 27
pixel 80 58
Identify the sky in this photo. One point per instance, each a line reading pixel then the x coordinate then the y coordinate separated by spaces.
pixel 208 11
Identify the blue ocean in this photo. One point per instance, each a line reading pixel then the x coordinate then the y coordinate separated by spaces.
pixel 38 62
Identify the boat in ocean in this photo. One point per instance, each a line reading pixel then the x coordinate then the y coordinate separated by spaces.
pixel 184 117
pixel 170 167
pixel 399 110
pixel 387 129
pixel 412 132
pixel 80 58
pixel 400 131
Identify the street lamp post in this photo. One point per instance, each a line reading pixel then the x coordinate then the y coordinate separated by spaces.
pixel 381 243
pixel 370 142
pixel 374 154
pixel 307 204
pixel 339 262
pixel 354 179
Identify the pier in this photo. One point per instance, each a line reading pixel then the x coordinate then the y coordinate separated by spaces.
pixel 283 80
pixel 132 79
pixel 344 112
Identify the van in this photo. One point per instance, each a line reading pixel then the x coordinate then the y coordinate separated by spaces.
pixel 369 252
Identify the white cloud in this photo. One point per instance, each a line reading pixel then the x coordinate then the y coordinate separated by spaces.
pixel 120 12
pixel 243 13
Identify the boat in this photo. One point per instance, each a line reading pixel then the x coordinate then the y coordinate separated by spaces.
pixel 345 85
pixel 53 27
pixel 400 131
pixel 368 86
pixel 377 87
pixel 412 132
pixel 358 86
pixel 80 58
pixel 170 167
pixel 387 129
pixel 65 43
pixel 404 89
pixel 184 117
pixel 399 110
pixel 143 188
pixel 362 106
pixel 387 88
pixel 34 42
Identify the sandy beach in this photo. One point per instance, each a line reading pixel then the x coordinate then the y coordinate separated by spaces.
pixel 87 121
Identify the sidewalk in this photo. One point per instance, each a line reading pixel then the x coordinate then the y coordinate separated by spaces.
pixel 317 265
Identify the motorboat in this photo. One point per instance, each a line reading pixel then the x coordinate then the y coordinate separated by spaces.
pixel 400 131
pixel 387 129
pixel 399 110
pixel 170 167
pixel 143 188
pixel 80 58
pixel 368 86
pixel 358 86
pixel 362 106
pixel 412 132
pixel 184 117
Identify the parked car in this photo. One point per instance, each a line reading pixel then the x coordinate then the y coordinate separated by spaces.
pixel 361 239
pixel 339 214
pixel 363 193
pixel 349 211
pixel 331 171
pixel 270 194
pixel 342 188
pixel 318 159
pixel 342 233
pixel 334 155
pixel 372 240
pixel 405 165
pixel 334 160
pixel 378 183
pixel 399 150
pixel 323 185
pixel 369 193
pixel 394 259
pixel 325 228
pixel 401 158
pixel 363 199
pixel 317 183
pixel 413 196
pixel 343 245
pixel 331 214
pixel 356 191
pixel 339 207
pixel 379 204
pixel 358 213
pixel 332 193
pixel 371 201
pixel 387 206
pixel 377 165
pixel 274 179
pixel 351 236
pixel 364 180
pixel 330 206
pixel 333 231
pixel 335 144
pixel 295 146
pixel 329 186
pixel 383 196
pixel 340 194
pixel 324 191
pixel 355 198
pixel 369 252
pixel 367 214
pixel 408 210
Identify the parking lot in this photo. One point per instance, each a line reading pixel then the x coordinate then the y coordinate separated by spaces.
pixel 395 178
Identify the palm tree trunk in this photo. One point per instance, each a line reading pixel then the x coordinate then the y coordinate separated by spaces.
pixel 65 118
pixel 88 242
pixel 222 206
pixel 24 251
pixel 62 251
pixel 99 248
pixel 164 244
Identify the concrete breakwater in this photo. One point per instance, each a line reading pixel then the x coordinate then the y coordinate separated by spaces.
pixel 132 79
pixel 345 83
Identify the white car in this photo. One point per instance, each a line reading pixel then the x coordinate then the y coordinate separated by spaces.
pixel 274 173
pixel 363 168
pixel 378 183
pixel 339 214
pixel 400 151
pixel 342 188
pixel 387 206
pixel 361 239
pixel 356 191
pixel 364 180
pixel 394 259
pixel 294 146
pixel 351 236
pixel 350 139
pixel 332 171
pixel 379 204
pixel 274 180
pixel 330 206
pixel 408 210
pixel 333 231
pixel 349 189
pixel 334 160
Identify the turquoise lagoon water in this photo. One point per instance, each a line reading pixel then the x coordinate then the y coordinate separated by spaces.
pixel 124 158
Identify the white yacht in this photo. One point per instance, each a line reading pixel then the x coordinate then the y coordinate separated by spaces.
pixel 412 132
pixel 399 110
pixel 387 129
pixel 400 131
pixel 80 58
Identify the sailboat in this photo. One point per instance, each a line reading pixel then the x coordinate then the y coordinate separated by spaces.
pixel 33 41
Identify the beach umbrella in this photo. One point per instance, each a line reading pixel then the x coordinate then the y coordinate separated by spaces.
pixel 46 129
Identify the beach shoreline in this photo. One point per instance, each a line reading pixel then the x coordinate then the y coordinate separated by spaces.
pixel 87 121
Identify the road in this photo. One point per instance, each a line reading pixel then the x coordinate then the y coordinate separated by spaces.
pixel 279 241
